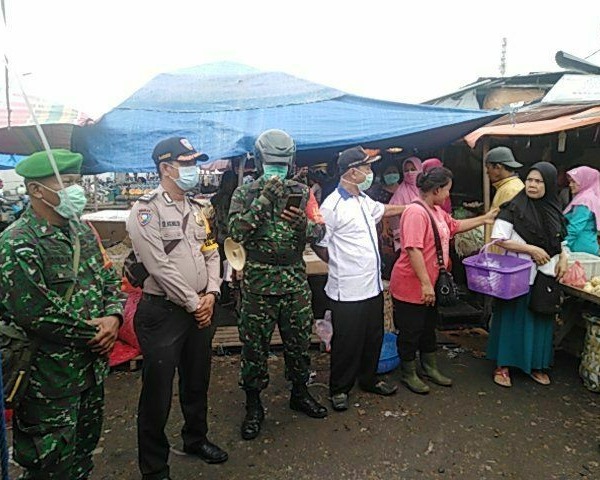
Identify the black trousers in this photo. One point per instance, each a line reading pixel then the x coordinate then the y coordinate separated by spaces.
pixel 416 329
pixel 356 343
pixel 170 339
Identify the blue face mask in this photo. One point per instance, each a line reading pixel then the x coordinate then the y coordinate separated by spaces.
pixel 188 177
pixel 391 178
pixel 280 171
pixel 72 201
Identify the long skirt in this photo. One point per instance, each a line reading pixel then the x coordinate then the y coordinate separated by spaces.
pixel 519 337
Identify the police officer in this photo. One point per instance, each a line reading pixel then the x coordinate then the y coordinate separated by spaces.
pixel 56 285
pixel 174 315
pixel 275 287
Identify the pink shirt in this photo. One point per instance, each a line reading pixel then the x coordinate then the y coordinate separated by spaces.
pixel 416 232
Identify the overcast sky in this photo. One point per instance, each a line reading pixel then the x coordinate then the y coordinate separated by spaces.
pixel 92 54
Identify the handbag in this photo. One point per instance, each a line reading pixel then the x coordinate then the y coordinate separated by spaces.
pixel 546 295
pixel 446 292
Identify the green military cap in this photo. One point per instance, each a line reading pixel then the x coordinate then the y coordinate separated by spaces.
pixel 38 164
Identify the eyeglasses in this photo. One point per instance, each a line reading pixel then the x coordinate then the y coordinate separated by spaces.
pixel 535 181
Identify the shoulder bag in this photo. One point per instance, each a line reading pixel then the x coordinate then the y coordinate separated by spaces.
pixel 546 295
pixel 446 292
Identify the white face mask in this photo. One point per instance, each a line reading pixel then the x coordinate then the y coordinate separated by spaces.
pixel 366 183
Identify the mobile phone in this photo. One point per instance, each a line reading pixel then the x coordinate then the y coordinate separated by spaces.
pixel 293 200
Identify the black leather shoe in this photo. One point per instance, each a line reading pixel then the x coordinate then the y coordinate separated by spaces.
pixel 208 452
pixel 305 403
pixel 381 388
pixel 255 414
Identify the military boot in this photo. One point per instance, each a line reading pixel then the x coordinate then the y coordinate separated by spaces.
pixel 430 370
pixel 408 377
pixel 255 414
pixel 302 401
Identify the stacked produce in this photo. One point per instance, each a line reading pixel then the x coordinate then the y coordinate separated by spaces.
pixel 593 286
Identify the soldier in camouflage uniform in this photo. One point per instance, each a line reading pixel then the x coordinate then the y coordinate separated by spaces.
pixel 275 287
pixel 73 314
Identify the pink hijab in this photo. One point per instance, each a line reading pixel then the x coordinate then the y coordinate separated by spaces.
pixel 429 164
pixel 588 180
pixel 406 193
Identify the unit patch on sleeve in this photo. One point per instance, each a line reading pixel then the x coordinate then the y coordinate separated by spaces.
pixel 144 216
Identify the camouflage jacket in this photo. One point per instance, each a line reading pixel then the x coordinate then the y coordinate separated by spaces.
pixel 35 274
pixel 259 227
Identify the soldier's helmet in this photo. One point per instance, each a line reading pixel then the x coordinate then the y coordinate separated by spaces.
pixel 274 147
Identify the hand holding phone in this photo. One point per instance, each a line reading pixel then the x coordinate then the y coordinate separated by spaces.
pixel 293 200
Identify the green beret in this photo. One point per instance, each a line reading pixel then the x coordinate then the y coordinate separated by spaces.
pixel 38 164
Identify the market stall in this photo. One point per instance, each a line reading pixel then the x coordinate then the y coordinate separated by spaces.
pixel 565 130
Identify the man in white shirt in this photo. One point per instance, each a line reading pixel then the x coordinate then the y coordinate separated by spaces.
pixel 354 285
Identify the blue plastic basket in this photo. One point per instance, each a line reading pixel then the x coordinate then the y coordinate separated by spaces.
pixel 388 358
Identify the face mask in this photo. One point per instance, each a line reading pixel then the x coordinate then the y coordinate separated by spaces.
pixel 411 177
pixel 368 181
pixel 391 178
pixel 188 177
pixel 72 201
pixel 280 171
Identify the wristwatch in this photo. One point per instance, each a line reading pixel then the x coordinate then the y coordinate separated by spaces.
pixel 216 294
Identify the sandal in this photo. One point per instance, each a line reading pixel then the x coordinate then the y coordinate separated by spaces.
pixel 502 377
pixel 540 377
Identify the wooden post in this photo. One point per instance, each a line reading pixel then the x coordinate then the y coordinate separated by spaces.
pixel 487 201
pixel 241 166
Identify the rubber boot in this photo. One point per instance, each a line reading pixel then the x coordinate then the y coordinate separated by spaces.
pixel 302 401
pixel 255 414
pixel 430 370
pixel 408 377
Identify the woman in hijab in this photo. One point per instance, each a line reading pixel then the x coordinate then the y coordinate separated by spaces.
pixel 406 192
pixel 530 226
pixel 583 213
pixel 429 164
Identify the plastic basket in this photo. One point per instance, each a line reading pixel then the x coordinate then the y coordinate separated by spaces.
pixel 388 358
pixel 589 262
pixel 500 276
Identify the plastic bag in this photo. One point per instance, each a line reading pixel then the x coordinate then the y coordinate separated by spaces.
pixel 575 276
pixel 324 330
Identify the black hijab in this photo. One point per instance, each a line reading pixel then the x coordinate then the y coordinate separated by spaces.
pixel 540 221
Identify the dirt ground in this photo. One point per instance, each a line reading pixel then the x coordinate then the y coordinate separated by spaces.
pixel 474 430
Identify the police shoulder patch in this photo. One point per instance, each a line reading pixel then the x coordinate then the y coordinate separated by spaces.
pixel 148 197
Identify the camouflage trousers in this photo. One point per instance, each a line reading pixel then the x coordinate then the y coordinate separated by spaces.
pixel 258 317
pixel 54 437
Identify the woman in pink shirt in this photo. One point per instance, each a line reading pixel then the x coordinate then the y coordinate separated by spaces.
pixel 416 272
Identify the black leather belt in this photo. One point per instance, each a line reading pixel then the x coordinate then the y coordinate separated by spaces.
pixel 275 258
pixel 156 299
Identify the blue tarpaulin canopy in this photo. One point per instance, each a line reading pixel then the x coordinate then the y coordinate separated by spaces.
pixel 222 108
pixel 8 162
